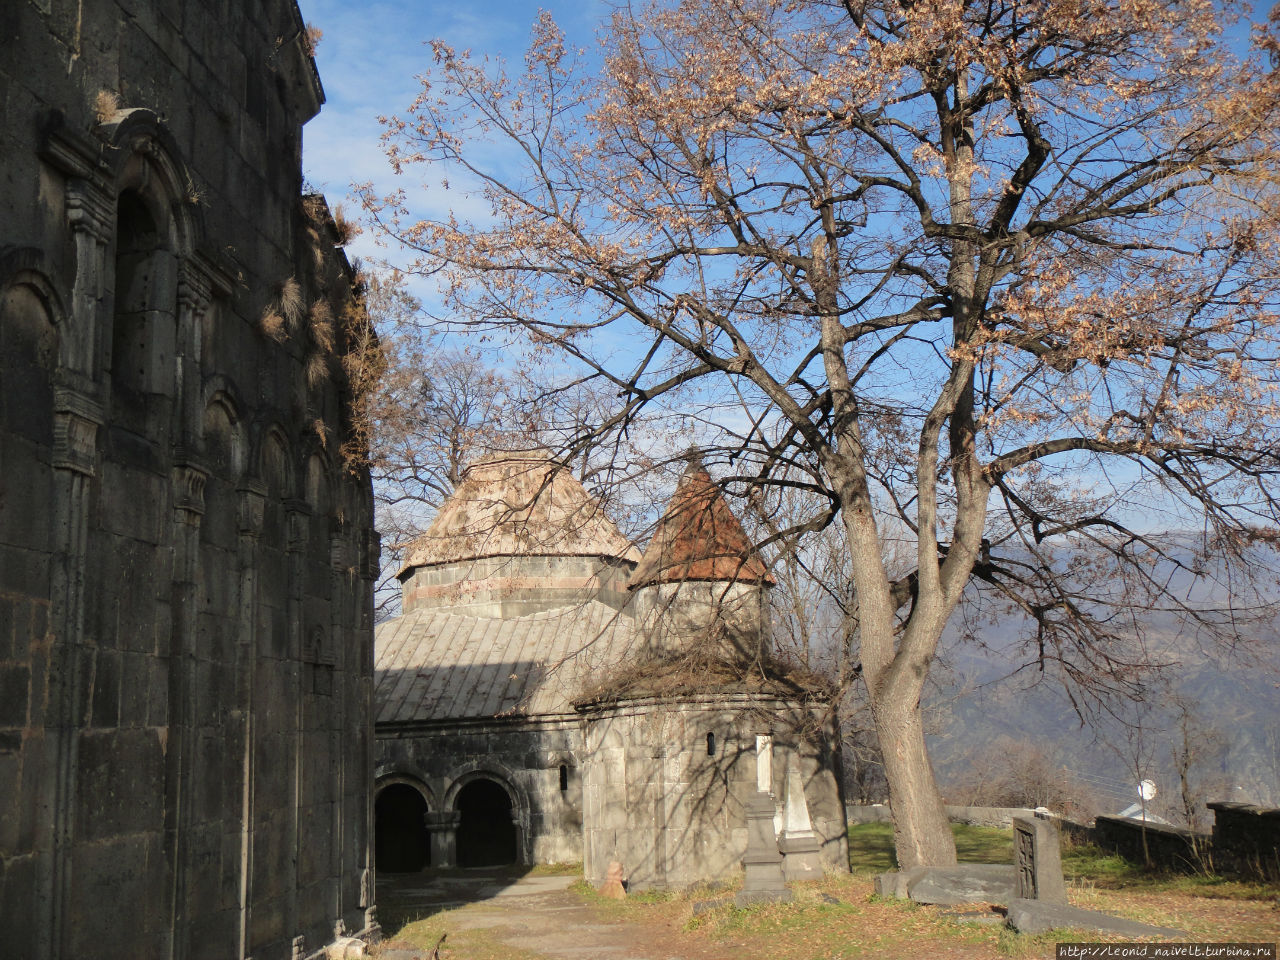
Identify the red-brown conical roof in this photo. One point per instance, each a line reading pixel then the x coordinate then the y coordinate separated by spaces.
pixel 699 538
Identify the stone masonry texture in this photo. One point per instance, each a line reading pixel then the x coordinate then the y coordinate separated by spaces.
pixel 185 565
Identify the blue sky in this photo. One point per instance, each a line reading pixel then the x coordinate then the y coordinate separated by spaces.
pixel 370 56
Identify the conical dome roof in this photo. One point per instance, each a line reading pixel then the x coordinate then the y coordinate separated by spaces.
pixel 699 538
pixel 518 504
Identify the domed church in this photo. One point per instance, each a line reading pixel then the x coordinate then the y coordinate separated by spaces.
pixel 551 695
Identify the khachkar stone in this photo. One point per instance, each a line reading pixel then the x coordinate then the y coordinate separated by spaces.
pixel 1038 861
pixel 801 847
pixel 762 862
pixel 1040 895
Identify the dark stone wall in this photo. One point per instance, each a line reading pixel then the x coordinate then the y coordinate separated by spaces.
pixel 1246 839
pixel 185 564
pixel 1167 846
pixel 523 756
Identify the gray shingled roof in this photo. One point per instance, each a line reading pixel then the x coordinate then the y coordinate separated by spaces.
pixel 433 665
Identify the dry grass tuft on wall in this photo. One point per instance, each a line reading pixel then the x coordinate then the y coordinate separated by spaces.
pixel 317 370
pixel 106 105
pixel 273 324
pixel 345 230
pixel 292 305
pixel 321 322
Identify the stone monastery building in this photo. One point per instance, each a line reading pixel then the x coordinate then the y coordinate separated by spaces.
pixel 550 695
pixel 186 566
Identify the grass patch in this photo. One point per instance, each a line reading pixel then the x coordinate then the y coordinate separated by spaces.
pixel 1087 867
pixel 871 846
pixel 555 870
pixel 473 944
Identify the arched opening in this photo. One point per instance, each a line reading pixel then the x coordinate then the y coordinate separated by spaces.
pixel 141 331
pixel 400 840
pixel 486 830
pixel 28 356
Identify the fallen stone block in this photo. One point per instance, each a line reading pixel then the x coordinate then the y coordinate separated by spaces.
pixel 896 883
pixel 1040 916
pixel 706 906
pixel 966 883
pixel 750 898
pixel 974 916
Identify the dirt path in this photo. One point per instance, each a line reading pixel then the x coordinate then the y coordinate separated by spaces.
pixel 535 915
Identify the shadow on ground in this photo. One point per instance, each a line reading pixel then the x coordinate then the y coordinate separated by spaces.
pixel 407 897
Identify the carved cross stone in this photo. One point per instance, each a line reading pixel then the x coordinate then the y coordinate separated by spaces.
pixel 1037 861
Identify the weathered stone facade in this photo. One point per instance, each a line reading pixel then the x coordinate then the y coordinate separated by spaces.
pixel 543 697
pixel 667 782
pixel 185 567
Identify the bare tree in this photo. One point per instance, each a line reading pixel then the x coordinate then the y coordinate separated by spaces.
pixel 1013 772
pixel 1197 755
pixel 1000 276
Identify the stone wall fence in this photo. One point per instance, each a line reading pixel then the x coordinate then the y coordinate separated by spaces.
pixel 974 816
pixel 1246 839
pixel 1165 846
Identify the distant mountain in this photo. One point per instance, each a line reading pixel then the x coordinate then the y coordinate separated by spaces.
pixel 980 696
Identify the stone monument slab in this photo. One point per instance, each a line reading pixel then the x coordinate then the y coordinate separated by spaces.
pixel 1040 916
pixel 947 886
pixel 1037 859
pixel 762 862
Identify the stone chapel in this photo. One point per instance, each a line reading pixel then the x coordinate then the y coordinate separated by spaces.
pixel 550 694
pixel 186 564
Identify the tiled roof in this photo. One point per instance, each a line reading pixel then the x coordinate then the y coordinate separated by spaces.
pixel 699 538
pixel 434 665
pixel 518 504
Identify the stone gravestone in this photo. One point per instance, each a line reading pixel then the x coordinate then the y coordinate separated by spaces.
pixel 764 882
pixel 1041 904
pixel 801 847
pixel 1038 861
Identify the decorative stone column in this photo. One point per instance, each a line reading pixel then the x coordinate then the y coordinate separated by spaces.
pixel 335 658
pixel 360 620
pixel 443 827
pixel 91 214
pixel 250 514
pixel 195 293
pixel 297 539
pixel 77 417
pixel 188 482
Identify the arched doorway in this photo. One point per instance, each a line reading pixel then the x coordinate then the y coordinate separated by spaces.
pixel 486 831
pixel 400 840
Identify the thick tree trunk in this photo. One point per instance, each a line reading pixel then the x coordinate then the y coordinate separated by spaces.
pixel 921 830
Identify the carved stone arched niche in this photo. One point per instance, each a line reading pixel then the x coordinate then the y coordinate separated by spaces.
pixel 319 493
pixel 223 453
pixel 28 359
pixel 28 354
pixel 152 236
pixel 274 468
